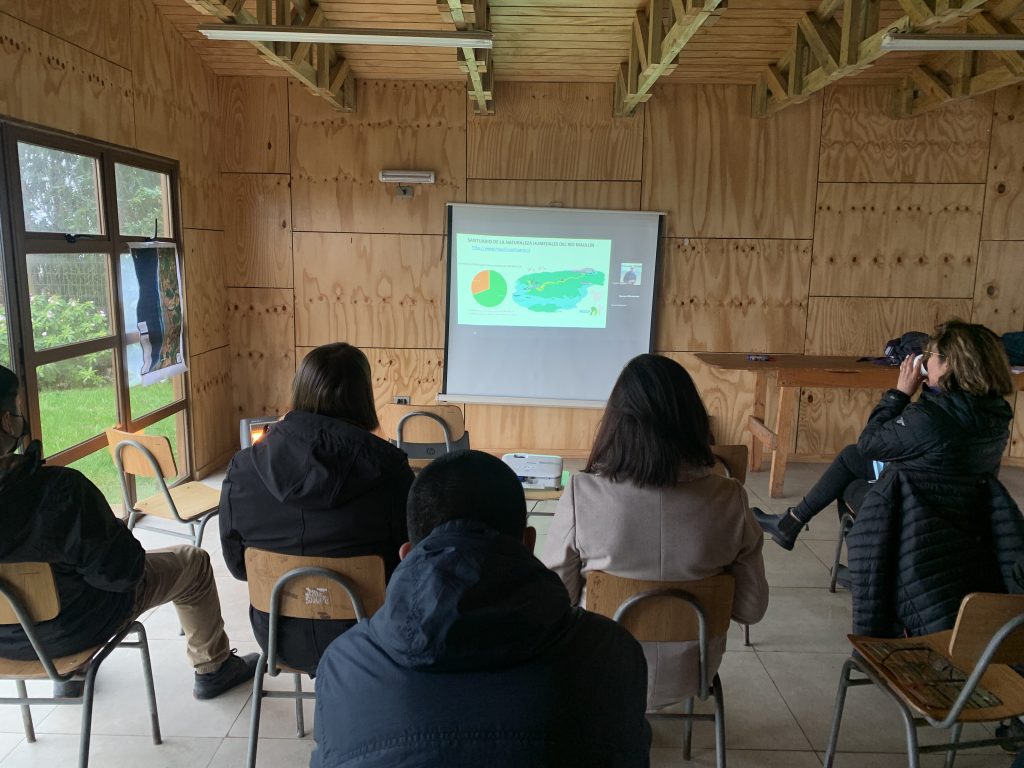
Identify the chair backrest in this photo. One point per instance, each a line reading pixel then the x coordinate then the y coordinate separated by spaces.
pixel 314 597
pixel 134 461
pixel 419 430
pixel 733 459
pixel 664 619
pixel 981 615
pixel 32 585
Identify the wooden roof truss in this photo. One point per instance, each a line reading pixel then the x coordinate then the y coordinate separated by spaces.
pixel 319 66
pixel 472 16
pixel 659 33
pixel 826 49
pixel 965 74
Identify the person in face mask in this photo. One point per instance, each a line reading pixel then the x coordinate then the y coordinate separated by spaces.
pixel 104 577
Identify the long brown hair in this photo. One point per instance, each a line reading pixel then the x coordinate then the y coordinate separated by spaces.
pixel 334 380
pixel 654 425
pixel 976 358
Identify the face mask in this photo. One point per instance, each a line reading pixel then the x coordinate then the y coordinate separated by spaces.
pixel 20 437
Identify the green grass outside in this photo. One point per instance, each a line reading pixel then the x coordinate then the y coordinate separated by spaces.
pixel 72 415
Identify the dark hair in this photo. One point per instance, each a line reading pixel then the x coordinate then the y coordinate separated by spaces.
pixel 334 380
pixel 654 425
pixel 466 485
pixel 976 358
pixel 8 391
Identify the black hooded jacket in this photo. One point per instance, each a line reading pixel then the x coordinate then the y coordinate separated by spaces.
pixel 314 486
pixel 477 658
pixel 937 524
pixel 55 515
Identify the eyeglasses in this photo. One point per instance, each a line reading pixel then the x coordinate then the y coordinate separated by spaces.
pixel 928 353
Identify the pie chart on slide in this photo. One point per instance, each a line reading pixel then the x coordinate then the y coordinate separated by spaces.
pixel 489 288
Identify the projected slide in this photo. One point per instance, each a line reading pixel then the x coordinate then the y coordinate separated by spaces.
pixel 533 282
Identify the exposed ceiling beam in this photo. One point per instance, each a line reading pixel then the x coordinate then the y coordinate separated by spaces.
pixel 817 60
pixel 965 74
pixel 472 16
pixel 318 66
pixel 654 50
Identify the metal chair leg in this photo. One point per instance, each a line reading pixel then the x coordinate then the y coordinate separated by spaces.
pixel 257 703
pixel 837 713
pixel 913 756
pixel 85 738
pixel 954 739
pixel 716 689
pixel 746 635
pixel 133 517
pixel 845 523
pixel 147 674
pixel 198 535
pixel 300 720
pixel 687 728
pixel 26 712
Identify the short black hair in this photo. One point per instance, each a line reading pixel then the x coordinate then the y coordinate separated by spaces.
pixel 466 485
pixel 8 390
pixel 654 425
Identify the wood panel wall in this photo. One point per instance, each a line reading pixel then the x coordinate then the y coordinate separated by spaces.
pixel 116 71
pixel 828 228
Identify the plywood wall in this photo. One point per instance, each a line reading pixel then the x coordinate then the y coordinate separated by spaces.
pixel 828 228
pixel 116 71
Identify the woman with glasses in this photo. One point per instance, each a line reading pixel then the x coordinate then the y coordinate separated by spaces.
pixel 959 425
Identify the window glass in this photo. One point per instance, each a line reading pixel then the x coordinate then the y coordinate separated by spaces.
pixel 76 400
pixel 5 332
pixel 59 191
pixel 70 297
pixel 142 201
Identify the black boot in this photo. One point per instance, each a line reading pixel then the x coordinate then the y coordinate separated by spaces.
pixel 782 528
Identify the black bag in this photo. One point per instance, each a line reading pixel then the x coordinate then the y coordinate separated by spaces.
pixel 909 344
pixel 1014 343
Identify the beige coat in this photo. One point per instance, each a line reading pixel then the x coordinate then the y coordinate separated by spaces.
pixel 698 528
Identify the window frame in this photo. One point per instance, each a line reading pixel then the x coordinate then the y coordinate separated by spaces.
pixel 18 242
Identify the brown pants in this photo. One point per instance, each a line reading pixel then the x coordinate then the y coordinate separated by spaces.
pixel 183 575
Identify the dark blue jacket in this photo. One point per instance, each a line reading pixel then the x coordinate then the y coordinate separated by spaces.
pixel 478 659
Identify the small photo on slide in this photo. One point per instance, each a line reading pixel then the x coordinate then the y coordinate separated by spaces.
pixel 630 273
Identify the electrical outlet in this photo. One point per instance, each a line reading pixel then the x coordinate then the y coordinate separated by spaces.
pixel 402 400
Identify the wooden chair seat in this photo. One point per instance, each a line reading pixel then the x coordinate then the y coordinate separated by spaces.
pixel 33 670
pixel 193 500
pixel 927 699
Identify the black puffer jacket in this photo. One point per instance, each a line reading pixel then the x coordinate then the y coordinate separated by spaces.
pixel 313 486
pixel 938 524
pixel 478 659
pixel 55 515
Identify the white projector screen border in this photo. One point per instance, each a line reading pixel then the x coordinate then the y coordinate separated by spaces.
pixel 652 252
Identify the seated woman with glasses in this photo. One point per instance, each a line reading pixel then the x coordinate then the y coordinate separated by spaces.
pixel 959 426
pixel 650 506
pixel 320 483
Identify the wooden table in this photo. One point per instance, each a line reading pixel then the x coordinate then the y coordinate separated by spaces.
pixel 791 373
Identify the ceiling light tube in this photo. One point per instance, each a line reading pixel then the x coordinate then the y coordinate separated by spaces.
pixel 407 177
pixel 908 41
pixel 273 34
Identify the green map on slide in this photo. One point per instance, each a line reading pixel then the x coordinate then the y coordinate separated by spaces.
pixel 555 291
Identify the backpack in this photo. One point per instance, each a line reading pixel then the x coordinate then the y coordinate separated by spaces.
pixel 910 343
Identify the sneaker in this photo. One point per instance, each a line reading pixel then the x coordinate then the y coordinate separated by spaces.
pixel 782 528
pixel 235 671
pixel 69 689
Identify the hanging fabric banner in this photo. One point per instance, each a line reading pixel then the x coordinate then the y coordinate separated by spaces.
pixel 159 310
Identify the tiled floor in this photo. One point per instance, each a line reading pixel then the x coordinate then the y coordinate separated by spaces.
pixel 778 694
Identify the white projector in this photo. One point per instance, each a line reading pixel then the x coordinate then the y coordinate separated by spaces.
pixel 536 471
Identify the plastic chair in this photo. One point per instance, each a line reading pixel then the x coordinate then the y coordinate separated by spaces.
pixel 673 611
pixel 192 503
pixel 310 588
pixel 30 597
pixel 424 432
pixel 968 666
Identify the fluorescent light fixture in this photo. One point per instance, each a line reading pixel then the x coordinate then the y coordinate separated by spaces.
pixel 256 33
pixel 908 41
pixel 407 177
